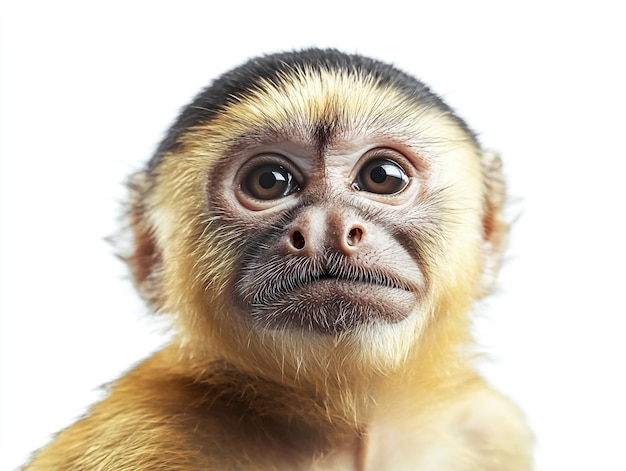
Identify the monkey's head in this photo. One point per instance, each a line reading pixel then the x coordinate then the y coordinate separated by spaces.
pixel 314 208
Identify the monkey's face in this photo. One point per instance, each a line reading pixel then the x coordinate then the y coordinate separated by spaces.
pixel 333 201
pixel 325 240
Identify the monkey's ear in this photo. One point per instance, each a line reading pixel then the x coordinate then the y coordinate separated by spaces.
pixel 495 228
pixel 144 259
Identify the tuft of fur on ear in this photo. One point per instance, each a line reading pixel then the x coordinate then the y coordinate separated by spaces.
pixel 144 258
pixel 495 228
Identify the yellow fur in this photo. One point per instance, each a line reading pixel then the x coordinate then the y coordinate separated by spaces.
pixel 225 396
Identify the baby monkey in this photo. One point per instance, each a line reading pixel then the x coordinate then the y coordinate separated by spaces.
pixel 319 226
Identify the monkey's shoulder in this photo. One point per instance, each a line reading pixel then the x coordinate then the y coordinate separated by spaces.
pixel 157 417
pixel 476 429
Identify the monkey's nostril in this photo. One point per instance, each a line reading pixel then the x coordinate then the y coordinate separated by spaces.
pixel 354 236
pixel 297 240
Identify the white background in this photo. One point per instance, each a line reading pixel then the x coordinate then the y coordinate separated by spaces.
pixel 90 87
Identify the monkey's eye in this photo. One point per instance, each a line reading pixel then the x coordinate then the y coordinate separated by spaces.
pixel 269 182
pixel 382 176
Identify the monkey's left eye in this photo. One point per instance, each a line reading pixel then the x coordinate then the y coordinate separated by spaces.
pixel 269 182
pixel 382 176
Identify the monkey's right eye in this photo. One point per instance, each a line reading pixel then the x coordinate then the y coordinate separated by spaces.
pixel 269 182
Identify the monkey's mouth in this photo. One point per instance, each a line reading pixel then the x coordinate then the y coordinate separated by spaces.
pixel 332 298
pixel 377 279
pixel 294 282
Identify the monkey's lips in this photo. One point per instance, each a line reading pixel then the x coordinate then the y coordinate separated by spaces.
pixel 329 302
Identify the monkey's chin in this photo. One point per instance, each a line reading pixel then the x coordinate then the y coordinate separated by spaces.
pixel 334 306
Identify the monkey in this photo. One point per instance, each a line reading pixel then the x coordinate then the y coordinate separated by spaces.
pixel 320 227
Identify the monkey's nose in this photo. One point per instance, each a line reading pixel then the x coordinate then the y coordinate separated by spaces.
pixel 301 241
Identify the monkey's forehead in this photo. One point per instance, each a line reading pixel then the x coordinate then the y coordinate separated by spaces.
pixel 313 96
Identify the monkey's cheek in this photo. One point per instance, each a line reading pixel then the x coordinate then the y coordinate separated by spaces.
pixel 335 307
